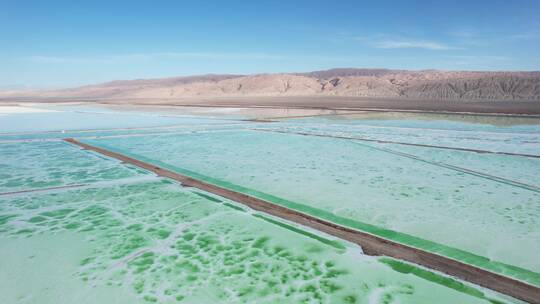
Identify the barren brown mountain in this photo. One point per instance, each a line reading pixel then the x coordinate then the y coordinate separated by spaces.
pixel 421 85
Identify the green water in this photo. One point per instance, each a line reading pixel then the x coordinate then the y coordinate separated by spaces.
pixel 31 166
pixel 360 186
pixel 77 227
pixel 149 240
pixel 197 251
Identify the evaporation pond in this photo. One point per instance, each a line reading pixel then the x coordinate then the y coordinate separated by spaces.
pixel 482 220
pixel 120 235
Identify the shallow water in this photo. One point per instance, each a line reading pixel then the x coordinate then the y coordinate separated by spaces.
pixel 488 203
pixel 146 239
pixel 72 118
pixel 522 136
pixel 119 234
pixel 32 166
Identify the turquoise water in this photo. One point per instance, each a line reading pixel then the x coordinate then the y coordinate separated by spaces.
pixel 62 118
pixel 140 239
pixel 496 134
pixel 33 166
pixel 486 217
pixel 513 168
pixel 78 227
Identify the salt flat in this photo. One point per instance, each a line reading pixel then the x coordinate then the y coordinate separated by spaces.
pixel 126 236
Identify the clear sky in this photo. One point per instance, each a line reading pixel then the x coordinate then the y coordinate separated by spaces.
pixel 66 43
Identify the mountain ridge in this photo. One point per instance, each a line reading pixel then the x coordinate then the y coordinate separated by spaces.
pixel 351 82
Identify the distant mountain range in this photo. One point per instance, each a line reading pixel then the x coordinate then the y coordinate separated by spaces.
pixel 422 85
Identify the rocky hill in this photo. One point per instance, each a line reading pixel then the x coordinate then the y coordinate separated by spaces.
pixel 429 85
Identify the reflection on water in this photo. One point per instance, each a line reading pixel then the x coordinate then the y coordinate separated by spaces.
pixel 394 118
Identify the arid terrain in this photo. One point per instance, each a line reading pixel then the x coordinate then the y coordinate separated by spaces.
pixel 372 83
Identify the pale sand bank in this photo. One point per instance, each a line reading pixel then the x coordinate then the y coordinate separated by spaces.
pixel 22 109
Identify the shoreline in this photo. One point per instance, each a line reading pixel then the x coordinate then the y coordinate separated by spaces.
pixel 331 103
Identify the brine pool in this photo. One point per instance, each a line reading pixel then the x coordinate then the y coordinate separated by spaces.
pixel 79 227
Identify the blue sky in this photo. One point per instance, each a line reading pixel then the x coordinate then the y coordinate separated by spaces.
pixel 67 43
